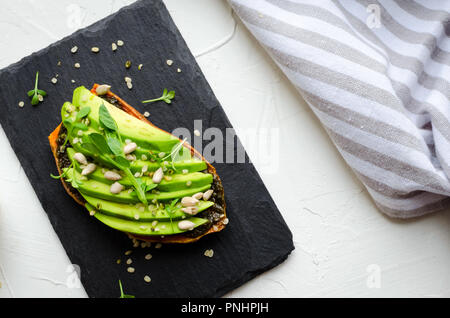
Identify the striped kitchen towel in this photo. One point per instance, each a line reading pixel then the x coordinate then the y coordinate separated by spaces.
pixel 377 75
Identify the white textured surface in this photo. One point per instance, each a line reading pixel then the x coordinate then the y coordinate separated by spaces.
pixel 341 239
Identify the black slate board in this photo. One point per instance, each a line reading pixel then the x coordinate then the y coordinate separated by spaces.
pixel 257 237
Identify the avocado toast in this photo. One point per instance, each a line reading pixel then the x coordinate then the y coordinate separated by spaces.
pixel 133 176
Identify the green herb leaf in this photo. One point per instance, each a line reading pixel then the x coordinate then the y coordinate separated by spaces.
pixel 115 145
pixel 35 100
pixel 106 118
pixel 42 92
pixel 80 126
pixel 83 113
pixel 35 93
pixel 64 174
pixel 122 295
pixel 121 161
pixel 150 186
pixel 166 97
pixel 67 122
pixel 90 147
pixel 99 141
pixel 170 210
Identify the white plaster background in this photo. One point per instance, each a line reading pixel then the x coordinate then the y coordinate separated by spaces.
pixel 338 232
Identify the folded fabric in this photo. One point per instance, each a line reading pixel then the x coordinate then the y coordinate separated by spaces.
pixel 377 75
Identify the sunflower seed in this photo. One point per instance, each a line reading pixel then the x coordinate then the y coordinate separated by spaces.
pixel 189 201
pixel 80 158
pixel 89 169
pixel 116 188
pixel 191 210
pixel 209 253
pixel 120 43
pixel 129 148
pixel 207 195
pixel 198 196
pixel 158 175
pixel 74 49
pixel 102 89
pixel 111 175
pixel 95 49
pixel 186 225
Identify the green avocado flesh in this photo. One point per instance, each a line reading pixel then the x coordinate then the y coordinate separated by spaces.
pixel 158 211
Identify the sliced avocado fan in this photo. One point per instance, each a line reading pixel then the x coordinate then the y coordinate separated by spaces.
pixel 132 176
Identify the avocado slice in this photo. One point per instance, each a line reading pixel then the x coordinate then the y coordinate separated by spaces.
pixel 102 190
pixel 178 181
pixel 145 135
pixel 146 228
pixel 130 211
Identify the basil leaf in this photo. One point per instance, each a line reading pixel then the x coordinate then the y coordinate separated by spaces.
pixel 115 145
pixel 83 112
pixel 100 142
pixel 106 118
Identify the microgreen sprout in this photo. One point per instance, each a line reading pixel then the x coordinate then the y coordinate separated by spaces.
pixel 36 95
pixel 166 97
pixel 171 210
pixel 63 175
pixel 122 295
